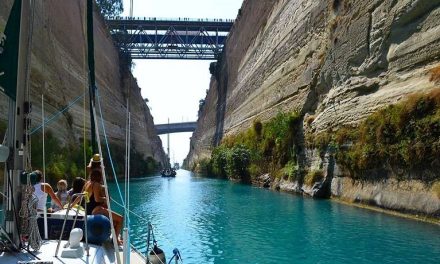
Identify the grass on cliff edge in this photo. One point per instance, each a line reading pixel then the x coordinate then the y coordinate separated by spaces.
pixel 402 140
pixel 265 147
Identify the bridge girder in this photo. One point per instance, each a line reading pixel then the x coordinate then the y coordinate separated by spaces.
pixel 171 39
pixel 175 127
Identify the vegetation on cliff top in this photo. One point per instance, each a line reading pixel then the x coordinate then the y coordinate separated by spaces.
pixel 402 140
pixel 110 8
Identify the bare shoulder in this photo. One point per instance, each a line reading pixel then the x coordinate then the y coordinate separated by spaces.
pixel 88 185
pixel 92 185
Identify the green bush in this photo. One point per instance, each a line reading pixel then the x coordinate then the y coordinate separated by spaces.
pixel 313 176
pixel 204 166
pixel 265 147
pixel 258 127
pixel 110 8
pixel 62 162
pixel 291 170
pixel 219 161
pixel 238 161
pixel 404 136
pixel 254 170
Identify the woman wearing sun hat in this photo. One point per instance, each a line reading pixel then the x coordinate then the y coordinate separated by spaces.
pixel 97 200
pixel 94 164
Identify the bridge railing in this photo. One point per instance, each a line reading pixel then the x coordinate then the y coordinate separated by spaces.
pixel 170 38
pixel 173 19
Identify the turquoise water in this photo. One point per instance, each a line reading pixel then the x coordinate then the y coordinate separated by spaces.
pixel 216 221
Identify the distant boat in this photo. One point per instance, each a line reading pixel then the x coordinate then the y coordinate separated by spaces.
pixel 168 173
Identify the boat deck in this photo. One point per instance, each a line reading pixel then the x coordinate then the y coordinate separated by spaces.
pixel 97 254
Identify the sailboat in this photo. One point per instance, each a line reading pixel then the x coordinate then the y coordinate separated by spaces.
pixel 80 238
pixel 168 172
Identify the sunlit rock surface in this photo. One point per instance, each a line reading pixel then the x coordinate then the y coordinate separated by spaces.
pixel 337 61
pixel 59 71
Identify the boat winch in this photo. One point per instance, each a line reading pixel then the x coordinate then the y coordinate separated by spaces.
pixel 74 249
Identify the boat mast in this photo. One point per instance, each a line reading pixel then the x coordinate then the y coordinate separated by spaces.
pixel 18 111
pixel 91 65
pixel 168 143
pixel 96 143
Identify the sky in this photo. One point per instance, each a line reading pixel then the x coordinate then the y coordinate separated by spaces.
pixel 174 87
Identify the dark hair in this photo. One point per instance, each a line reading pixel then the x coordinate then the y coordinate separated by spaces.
pixel 96 176
pixel 39 175
pixel 95 165
pixel 78 184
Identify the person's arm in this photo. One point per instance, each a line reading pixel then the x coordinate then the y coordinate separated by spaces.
pixel 48 189
pixel 75 202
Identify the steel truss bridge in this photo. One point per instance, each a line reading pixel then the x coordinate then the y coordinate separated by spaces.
pixel 159 38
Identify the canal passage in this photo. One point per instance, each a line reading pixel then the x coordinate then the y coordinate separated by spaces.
pixel 217 221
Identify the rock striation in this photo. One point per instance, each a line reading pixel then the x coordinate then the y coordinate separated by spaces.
pixel 59 72
pixel 334 61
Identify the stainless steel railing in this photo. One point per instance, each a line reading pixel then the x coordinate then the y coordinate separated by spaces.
pixel 82 195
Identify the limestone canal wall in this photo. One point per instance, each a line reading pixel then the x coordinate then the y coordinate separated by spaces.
pixel 59 71
pixel 333 61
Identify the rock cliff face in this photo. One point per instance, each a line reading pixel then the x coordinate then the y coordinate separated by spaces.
pixel 334 61
pixel 59 71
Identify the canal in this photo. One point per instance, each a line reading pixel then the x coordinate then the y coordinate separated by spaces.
pixel 217 221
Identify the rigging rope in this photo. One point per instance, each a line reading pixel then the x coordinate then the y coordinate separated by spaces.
pixel 85 84
pixel 146 220
pixel 108 147
pixel 24 210
pixel 27 147
pixel 29 215
pixel 123 205
pixel 49 120
pixel 34 234
pixel 98 141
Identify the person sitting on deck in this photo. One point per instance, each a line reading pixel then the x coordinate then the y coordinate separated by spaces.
pixel 77 187
pixel 41 191
pixel 61 194
pixel 97 201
